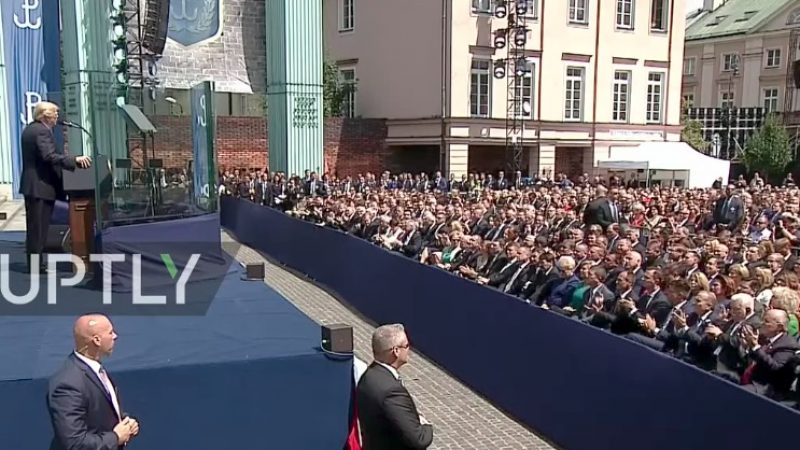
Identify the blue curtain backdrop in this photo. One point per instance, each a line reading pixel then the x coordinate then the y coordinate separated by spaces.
pixel 33 64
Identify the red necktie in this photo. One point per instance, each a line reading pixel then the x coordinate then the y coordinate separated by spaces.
pixel 747 376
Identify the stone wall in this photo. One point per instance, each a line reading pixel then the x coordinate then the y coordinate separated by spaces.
pixel 236 60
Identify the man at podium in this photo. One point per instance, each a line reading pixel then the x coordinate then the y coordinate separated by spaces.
pixel 41 176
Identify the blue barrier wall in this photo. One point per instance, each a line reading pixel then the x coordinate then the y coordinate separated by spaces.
pixel 580 387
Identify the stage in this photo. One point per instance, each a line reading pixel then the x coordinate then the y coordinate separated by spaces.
pixel 248 373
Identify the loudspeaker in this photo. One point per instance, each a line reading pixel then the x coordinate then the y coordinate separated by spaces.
pixel 337 338
pixel 3 216
pixel 254 271
pixel 796 73
pixel 57 236
pixel 156 24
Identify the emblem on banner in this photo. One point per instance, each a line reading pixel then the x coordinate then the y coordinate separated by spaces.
pixel 201 116
pixel 31 99
pixel 27 20
pixel 193 22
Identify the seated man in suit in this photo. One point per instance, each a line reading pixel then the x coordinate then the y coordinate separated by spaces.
pixel 650 331
pixel 387 414
pixel 727 337
pixel 771 353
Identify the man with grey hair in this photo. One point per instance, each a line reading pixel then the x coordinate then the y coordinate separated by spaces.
pixel 771 353
pixel 387 415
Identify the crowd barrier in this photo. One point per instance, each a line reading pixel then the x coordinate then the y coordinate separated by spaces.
pixel 578 386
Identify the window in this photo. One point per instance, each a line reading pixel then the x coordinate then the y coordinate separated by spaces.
pixel 523 93
pixel 621 96
pixel 773 58
pixel 655 95
pixel 348 77
pixel 658 15
pixel 573 104
pixel 530 8
pixel 482 6
pixel 688 100
pixel 726 99
pixel 346 15
pixel 771 100
pixel 688 66
pixel 578 10
pixel 625 14
pixel 479 94
pixel 730 62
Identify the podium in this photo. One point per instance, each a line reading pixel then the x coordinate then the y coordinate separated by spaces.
pixel 84 187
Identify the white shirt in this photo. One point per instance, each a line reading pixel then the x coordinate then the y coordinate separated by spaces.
pixel 95 366
pixel 390 369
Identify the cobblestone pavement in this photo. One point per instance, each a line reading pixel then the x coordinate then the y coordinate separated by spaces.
pixel 461 418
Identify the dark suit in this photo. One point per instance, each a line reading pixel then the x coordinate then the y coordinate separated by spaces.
pixel 729 211
pixel 81 410
pixel 599 212
pixel 41 181
pixel 774 363
pixel 387 414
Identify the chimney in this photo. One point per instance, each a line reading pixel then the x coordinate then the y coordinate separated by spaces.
pixel 711 5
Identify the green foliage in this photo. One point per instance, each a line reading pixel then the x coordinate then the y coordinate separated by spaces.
pixel 768 151
pixel 692 132
pixel 334 90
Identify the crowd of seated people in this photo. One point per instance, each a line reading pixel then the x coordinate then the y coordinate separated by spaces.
pixel 709 276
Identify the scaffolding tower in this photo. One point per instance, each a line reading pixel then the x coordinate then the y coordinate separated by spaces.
pixel 516 69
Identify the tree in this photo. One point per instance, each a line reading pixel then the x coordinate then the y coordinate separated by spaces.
pixel 692 132
pixel 334 90
pixel 768 150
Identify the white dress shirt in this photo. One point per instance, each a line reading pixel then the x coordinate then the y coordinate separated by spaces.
pixel 96 367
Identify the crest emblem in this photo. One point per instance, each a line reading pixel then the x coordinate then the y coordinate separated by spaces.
pixel 193 22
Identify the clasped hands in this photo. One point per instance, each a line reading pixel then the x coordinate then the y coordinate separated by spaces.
pixel 126 429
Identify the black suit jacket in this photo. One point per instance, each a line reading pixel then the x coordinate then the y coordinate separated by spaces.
pixel 774 366
pixel 41 163
pixel 598 212
pixel 81 411
pixel 387 414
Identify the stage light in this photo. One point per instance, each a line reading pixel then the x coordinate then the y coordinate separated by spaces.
pixel 500 39
pixel 119 44
pixel 521 37
pixel 526 107
pixel 500 9
pixel 499 68
pixel 522 7
pixel 520 67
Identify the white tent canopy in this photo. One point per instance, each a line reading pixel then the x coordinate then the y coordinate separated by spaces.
pixel 667 156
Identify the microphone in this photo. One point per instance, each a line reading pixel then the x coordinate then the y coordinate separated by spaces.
pixel 67 123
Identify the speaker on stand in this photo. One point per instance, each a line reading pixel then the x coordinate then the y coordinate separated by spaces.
pixel 156 25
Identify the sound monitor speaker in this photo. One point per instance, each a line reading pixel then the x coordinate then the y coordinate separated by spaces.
pixel 337 338
pixel 3 216
pixel 255 271
pixel 796 73
pixel 156 24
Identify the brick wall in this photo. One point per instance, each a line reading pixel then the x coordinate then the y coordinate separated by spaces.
pixel 351 146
